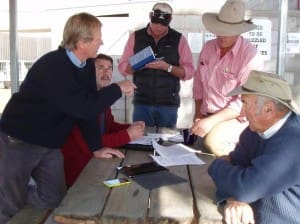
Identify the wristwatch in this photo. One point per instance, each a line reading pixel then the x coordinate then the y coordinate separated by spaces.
pixel 170 68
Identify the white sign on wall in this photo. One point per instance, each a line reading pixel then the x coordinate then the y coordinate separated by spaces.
pixel 259 37
pixel 293 43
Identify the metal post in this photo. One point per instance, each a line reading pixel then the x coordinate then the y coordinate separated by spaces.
pixel 282 38
pixel 14 61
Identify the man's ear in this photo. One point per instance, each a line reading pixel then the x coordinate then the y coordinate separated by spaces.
pixel 268 108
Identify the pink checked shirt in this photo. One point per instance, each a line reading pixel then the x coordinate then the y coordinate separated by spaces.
pixel 185 61
pixel 215 77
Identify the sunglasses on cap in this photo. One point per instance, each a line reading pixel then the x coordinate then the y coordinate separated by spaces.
pixel 160 14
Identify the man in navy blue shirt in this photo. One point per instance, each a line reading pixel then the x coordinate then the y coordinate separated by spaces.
pixel 59 91
pixel 260 179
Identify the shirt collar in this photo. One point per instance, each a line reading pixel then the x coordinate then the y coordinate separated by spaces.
pixel 275 127
pixel 75 60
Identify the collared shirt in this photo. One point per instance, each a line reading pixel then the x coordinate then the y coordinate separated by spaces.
pixel 215 77
pixel 74 59
pixel 185 61
pixel 275 127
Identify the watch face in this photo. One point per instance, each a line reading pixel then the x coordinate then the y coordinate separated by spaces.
pixel 170 68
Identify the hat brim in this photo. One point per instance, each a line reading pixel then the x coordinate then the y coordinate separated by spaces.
pixel 213 25
pixel 240 91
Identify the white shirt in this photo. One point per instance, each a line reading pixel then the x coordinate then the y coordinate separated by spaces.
pixel 275 127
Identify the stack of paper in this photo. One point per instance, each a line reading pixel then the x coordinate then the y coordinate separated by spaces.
pixel 144 140
pixel 173 155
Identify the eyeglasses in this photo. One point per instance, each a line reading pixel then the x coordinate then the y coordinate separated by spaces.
pixel 159 14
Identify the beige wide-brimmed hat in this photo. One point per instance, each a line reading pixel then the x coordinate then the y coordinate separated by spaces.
pixel 269 85
pixel 230 20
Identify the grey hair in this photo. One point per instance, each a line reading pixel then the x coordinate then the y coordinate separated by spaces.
pixel 261 100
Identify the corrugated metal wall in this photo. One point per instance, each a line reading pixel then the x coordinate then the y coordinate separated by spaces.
pixel 30 45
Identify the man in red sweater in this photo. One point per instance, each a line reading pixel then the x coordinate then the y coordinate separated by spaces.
pixel 76 151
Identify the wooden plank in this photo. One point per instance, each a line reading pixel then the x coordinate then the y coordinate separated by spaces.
pixel 172 203
pixel 85 200
pixel 29 215
pixel 204 193
pixel 128 204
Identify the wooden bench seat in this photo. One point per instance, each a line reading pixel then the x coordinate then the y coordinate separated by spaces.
pixel 30 215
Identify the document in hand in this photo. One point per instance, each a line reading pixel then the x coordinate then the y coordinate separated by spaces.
pixel 173 155
pixel 141 58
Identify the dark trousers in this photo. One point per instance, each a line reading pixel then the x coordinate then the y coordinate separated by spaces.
pixel 18 162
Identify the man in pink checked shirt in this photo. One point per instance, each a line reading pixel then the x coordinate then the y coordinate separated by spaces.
pixel 156 99
pixel 224 63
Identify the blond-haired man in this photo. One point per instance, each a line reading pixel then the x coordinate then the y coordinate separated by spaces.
pixel 58 91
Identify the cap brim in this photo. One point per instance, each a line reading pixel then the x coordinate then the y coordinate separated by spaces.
pixel 239 91
pixel 213 25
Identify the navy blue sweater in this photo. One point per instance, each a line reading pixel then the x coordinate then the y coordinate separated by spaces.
pixel 53 97
pixel 264 173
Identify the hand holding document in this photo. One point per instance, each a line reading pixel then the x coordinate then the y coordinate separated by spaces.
pixel 143 57
pixel 138 60
pixel 173 155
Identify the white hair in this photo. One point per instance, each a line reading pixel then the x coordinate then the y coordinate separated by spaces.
pixel 262 100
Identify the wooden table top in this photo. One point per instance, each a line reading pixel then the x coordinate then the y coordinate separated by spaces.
pixel 88 201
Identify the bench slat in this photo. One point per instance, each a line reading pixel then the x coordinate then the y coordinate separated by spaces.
pixel 204 191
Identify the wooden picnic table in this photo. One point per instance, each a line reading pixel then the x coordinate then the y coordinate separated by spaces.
pixel 89 201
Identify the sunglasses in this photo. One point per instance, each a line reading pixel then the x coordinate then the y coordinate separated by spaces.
pixel 161 15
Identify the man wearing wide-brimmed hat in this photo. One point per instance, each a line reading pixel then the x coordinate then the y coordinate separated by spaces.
pixel 156 99
pixel 260 179
pixel 224 63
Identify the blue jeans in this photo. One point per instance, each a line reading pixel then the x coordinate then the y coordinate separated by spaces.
pixel 160 116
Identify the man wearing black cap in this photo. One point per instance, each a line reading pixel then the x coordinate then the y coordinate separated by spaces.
pixel 156 99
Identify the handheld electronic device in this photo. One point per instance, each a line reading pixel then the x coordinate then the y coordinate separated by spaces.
pixel 143 168
pixel 116 182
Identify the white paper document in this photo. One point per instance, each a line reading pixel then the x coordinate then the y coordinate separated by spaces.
pixel 174 155
pixel 145 140
pixel 175 137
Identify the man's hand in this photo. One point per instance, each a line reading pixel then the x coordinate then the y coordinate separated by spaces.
pixel 136 130
pixel 201 127
pixel 158 64
pixel 127 87
pixel 237 212
pixel 108 153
